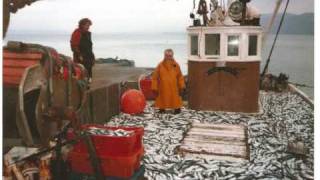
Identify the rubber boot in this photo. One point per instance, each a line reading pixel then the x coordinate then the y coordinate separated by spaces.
pixel 177 111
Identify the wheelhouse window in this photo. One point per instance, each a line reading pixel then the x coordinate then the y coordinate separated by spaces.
pixel 233 45
pixel 253 45
pixel 194 45
pixel 212 44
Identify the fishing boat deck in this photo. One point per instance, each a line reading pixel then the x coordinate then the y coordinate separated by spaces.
pixel 105 74
pixel 285 117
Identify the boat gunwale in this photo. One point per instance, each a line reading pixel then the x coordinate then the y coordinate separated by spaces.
pixel 301 94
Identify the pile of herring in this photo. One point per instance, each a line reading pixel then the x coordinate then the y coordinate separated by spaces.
pixel 285 117
pixel 109 132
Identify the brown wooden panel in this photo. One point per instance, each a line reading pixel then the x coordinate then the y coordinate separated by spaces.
pixel 113 100
pixel 98 105
pixel 103 103
pixel 224 91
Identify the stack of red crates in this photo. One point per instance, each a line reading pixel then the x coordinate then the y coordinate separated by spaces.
pixel 145 87
pixel 119 156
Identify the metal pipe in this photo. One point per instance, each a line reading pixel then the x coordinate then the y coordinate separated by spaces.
pixel 244 13
pixel 50 78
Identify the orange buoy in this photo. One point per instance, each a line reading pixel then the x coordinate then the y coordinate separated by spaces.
pixel 133 102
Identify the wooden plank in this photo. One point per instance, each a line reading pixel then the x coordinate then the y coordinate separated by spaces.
pixel 213 141
pixel 211 138
pixel 220 141
pixel 305 97
pixel 224 132
pixel 219 126
pixel 19 62
pixel 217 135
pixel 26 55
pixel 113 97
pixel 213 157
pixel 215 149
pixel 213 145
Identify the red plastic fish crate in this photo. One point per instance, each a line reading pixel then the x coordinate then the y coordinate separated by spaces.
pixel 111 145
pixel 116 166
pixel 145 87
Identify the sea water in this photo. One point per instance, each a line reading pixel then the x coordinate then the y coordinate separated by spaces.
pixel 293 54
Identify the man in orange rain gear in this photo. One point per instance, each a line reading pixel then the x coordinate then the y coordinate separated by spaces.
pixel 168 83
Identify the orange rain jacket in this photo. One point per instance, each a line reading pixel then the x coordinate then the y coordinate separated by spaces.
pixel 168 80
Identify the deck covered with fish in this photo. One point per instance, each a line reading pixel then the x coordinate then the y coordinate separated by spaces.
pixel 284 117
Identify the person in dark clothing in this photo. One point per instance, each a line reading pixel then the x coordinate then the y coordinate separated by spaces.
pixel 81 46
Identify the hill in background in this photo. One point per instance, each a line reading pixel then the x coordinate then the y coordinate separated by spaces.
pixel 293 24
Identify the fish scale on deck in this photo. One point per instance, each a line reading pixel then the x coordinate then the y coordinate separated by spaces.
pixel 268 135
pixel 108 132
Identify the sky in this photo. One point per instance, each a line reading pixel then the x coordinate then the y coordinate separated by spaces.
pixel 121 15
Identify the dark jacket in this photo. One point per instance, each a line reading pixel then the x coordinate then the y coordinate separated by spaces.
pixel 81 45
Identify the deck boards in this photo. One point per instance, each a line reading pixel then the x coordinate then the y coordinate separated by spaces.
pixel 106 74
pixel 219 141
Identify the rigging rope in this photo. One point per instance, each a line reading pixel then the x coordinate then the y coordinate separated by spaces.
pixel 265 69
